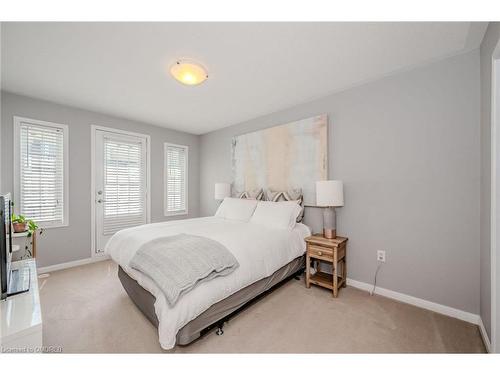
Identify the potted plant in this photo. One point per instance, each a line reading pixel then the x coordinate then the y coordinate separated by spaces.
pixel 21 224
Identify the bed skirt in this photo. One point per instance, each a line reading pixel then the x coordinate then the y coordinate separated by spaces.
pixel 144 300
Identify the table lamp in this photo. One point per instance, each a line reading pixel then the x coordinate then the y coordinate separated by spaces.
pixel 329 194
pixel 222 190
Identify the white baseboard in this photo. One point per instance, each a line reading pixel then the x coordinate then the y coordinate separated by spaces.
pixel 75 263
pixel 436 307
pixel 484 335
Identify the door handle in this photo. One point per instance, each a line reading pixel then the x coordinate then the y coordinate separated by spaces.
pixel 101 200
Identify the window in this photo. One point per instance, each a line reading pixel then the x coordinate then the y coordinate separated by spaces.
pixel 124 183
pixel 41 171
pixel 176 165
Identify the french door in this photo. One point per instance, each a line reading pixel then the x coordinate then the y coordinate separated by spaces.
pixel 120 184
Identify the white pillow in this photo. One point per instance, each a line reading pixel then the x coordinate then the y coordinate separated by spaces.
pixel 236 209
pixel 281 215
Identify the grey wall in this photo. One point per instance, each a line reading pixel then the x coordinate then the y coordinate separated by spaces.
pixel 488 45
pixel 407 149
pixel 70 243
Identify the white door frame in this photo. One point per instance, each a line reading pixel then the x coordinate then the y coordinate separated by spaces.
pixel 495 195
pixel 93 132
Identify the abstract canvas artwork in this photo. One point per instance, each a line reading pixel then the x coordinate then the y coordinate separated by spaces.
pixel 283 157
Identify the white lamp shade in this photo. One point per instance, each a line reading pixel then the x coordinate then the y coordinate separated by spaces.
pixel 222 190
pixel 330 193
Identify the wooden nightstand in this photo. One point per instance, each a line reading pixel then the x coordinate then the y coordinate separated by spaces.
pixel 333 251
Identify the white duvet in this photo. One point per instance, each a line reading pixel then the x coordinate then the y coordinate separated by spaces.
pixel 259 250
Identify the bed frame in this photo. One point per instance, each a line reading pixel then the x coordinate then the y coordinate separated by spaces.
pixel 220 312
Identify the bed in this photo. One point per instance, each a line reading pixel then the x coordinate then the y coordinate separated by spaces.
pixel 266 256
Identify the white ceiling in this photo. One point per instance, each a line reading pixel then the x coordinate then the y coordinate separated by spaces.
pixel 254 68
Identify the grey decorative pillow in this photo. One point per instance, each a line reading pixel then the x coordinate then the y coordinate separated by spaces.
pixel 257 194
pixel 289 195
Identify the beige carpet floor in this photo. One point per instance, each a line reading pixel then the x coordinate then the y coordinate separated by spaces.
pixel 86 310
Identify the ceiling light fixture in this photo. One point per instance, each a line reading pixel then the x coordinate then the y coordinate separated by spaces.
pixel 189 72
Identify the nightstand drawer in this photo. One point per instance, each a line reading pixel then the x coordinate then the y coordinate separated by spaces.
pixel 318 251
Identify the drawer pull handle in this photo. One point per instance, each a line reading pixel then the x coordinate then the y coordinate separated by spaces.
pixel 320 253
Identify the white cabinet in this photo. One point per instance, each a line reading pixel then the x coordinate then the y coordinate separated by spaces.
pixel 21 317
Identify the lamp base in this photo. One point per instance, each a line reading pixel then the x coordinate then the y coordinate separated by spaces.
pixel 329 233
pixel 329 223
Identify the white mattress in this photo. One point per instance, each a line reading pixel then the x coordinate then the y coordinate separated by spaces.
pixel 260 252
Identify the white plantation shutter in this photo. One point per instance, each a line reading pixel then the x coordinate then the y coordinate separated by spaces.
pixel 176 161
pixel 124 185
pixel 40 172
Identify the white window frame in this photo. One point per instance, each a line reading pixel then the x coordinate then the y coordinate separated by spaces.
pixel 17 168
pixel 165 180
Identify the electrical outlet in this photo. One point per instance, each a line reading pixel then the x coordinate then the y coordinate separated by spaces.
pixel 381 255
